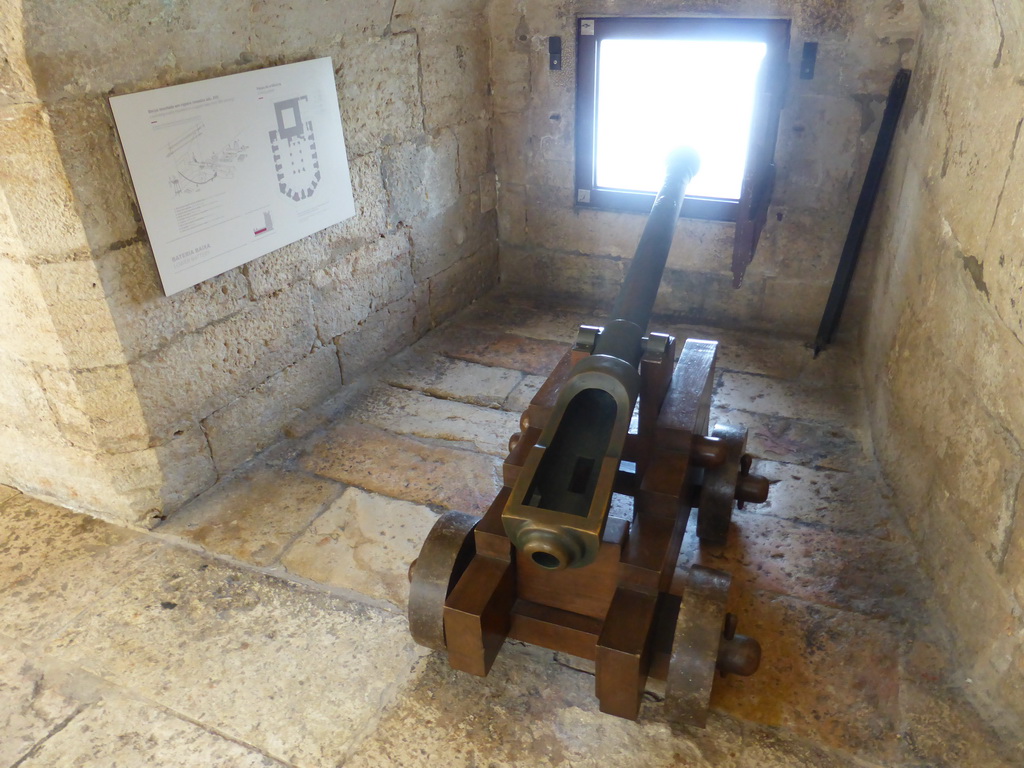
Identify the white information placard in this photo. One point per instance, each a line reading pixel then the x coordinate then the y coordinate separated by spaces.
pixel 234 167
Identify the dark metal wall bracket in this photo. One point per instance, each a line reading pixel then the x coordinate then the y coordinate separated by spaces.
pixel 862 213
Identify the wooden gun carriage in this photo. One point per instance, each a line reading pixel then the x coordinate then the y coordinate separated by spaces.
pixel 579 551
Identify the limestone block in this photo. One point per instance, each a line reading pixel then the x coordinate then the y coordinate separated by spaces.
pixel 55 564
pixel 980 468
pixel 195 374
pixel 777 438
pixel 442 377
pixel 940 727
pixel 977 154
pixel 280 269
pixel 966 585
pixel 346 292
pixel 15 76
pixel 512 214
pixel 266 655
pixel 29 331
pixel 700 245
pixel 485 430
pixel 314 25
pixel 1003 259
pixel 253 517
pixel 112 43
pixel 113 309
pixel 1005 712
pixel 792 306
pixel 487 184
pixel 51 470
pixel 421 177
pixel 549 167
pixel 821 566
pixel 23 403
pixel 405 468
pixel 835 61
pixel 778 748
pixel 832 19
pixel 7 492
pixel 554 223
pixel 83 130
pixel 97 408
pixel 256 420
pixel 475 155
pixel 889 20
pixel 151 484
pixel 119 731
pixel 286 266
pixel 522 395
pixel 10 239
pixel 908 469
pixel 554 132
pixel 556 701
pixel 498 349
pixel 35 184
pixel 371 201
pixel 682 295
pixel 451 236
pixel 142 317
pixel 81 316
pixel 378 87
pixel 846 503
pixel 454 65
pixel 976 460
pixel 833 681
pixel 411 11
pixel 871 63
pixel 510 79
pixel 533 318
pixel 962 327
pixel 31 704
pixel 382 334
pixel 512 147
pixel 128 488
pixel 583 278
pixel 463 282
pixel 1013 564
pixel 805 243
pixel 760 394
pixel 363 542
pixel 820 153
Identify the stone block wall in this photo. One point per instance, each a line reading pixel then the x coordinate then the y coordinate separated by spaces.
pixel 826 135
pixel 123 402
pixel 944 342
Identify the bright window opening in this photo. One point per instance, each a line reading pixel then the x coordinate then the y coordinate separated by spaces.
pixel 645 86
pixel 706 103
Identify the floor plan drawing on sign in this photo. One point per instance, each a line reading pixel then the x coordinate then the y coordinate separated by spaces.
pixel 294 145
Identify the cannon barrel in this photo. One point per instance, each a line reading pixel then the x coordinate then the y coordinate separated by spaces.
pixel 636 297
pixel 558 506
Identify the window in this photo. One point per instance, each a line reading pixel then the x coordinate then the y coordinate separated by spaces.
pixel 646 86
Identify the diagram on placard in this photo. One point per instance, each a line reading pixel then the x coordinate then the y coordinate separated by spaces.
pixel 295 156
pixel 196 164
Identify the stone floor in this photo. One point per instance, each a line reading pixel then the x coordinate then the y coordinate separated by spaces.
pixel 264 624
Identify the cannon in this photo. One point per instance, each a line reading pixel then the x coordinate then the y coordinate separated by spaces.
pixel 579 551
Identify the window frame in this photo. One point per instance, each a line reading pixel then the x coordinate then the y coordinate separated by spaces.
pixel 750 211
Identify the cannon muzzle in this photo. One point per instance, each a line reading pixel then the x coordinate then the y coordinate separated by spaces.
pixel 557 510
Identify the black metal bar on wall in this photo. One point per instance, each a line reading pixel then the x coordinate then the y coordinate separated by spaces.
pixel 862 213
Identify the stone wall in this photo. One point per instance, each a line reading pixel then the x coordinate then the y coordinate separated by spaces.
pixel 944 344
pixel 826 134
pixel 120 401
